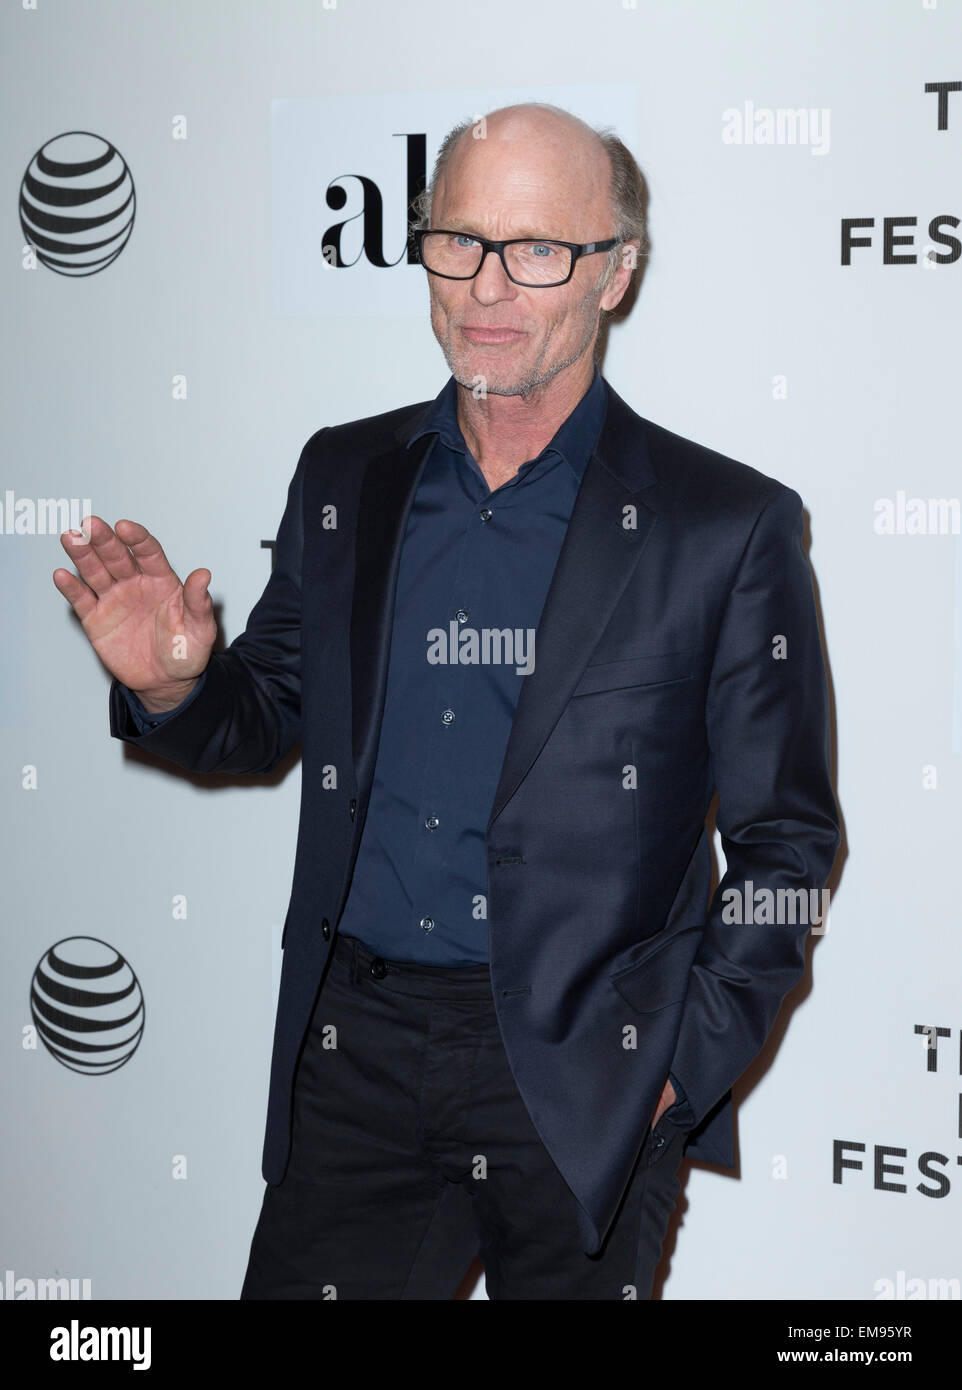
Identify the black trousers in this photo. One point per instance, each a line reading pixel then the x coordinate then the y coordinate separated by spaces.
pixel 413 1152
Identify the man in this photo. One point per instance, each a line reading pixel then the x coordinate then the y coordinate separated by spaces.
pixel 522 635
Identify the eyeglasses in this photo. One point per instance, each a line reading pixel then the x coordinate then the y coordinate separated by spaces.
pixel 532 264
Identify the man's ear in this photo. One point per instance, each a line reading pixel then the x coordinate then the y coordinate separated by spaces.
pixel 621 279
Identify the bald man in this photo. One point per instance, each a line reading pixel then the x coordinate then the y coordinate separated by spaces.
pixel 534 644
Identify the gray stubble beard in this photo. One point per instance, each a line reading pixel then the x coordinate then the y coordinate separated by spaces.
pixel 536 378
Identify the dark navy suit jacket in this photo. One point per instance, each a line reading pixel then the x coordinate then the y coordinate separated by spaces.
pixel 659 678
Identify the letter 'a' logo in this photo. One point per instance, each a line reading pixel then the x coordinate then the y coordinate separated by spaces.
pixel 372 211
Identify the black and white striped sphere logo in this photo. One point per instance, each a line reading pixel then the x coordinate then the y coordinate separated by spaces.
pixel 77 203
pixel 87 1005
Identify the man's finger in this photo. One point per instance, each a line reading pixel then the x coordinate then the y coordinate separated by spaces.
pixel 79 546
pixel 81 599
pixel 145 548
pixel 110 549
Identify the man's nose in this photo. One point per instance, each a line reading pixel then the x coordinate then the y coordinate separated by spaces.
pixel 491 282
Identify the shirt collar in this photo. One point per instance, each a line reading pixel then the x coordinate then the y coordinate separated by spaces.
pixel 574 441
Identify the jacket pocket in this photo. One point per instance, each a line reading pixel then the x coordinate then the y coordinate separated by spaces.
pixel 660 977
pixel 656 669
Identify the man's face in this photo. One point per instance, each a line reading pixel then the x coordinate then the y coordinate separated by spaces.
pixel 541 183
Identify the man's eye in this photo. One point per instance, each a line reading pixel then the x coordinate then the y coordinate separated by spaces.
pixel 542 250
pixel 464 241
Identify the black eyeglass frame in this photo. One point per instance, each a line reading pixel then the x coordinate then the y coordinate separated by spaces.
pixel 588 248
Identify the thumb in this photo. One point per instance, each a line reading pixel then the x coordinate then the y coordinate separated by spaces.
pixel 196 597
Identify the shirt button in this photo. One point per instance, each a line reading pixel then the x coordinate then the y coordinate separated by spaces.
pixel 352 809
pixel 461 616
pixel 427 923
pixel 447 716
pixel 486 513
pixel 325 929
pixel 432 823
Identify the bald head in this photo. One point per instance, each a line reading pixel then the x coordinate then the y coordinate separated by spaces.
pixel 534 155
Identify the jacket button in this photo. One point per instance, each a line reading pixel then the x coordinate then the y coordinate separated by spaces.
pixel 352 808
pixel 325 929
pixel 378 968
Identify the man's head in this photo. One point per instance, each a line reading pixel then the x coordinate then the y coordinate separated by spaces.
pixel 531 171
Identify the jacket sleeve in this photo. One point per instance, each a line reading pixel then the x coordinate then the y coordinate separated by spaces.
pixel 247 714
pixel 768 732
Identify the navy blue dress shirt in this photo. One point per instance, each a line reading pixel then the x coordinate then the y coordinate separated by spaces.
pixel 474 563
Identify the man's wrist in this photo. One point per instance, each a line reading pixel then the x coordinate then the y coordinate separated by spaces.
pixel 163 699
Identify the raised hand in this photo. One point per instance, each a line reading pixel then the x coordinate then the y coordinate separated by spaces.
pixel 150 631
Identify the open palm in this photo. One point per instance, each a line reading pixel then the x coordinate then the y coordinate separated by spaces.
pixel 150 631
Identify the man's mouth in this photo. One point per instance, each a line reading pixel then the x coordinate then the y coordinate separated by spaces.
pixel 491 336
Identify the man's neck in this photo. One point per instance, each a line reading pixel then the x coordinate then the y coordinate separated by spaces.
pixel 503 432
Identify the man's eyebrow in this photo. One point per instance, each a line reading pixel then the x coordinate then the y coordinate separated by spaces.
pixel 455 224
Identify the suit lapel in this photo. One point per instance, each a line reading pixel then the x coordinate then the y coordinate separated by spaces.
pixel 387 493
pixel 597 559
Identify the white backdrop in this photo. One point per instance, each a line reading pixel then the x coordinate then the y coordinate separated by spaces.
pixel 177 386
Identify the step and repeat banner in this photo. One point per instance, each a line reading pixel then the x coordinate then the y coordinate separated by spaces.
pixel 174 332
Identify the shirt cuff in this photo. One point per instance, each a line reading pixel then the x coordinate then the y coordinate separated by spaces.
pixel 144 719
pixel 680 1111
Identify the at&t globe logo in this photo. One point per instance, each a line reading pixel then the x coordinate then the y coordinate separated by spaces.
pixel 87 1005
pixel 77 203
